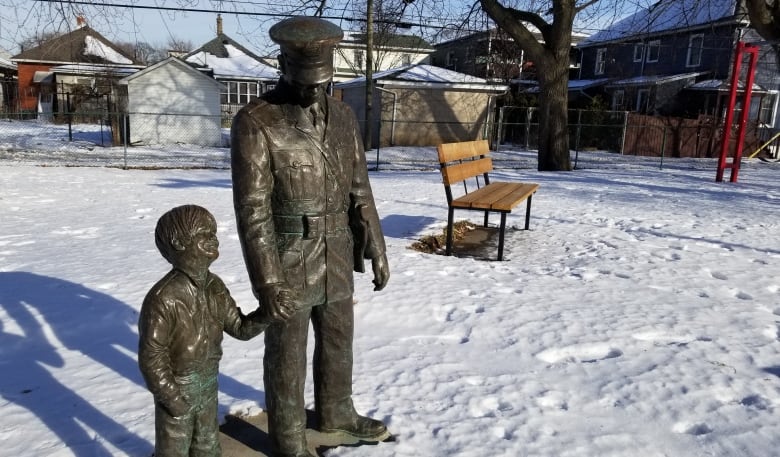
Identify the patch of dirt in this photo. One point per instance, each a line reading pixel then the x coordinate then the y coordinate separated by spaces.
pixel 436 244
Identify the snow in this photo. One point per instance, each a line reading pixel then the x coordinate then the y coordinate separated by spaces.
pixel 640 315
pixel 94 47
pixel 237 64
pixel 424 75
pixel 663 16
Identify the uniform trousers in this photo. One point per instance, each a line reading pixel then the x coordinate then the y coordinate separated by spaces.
pixel 285 363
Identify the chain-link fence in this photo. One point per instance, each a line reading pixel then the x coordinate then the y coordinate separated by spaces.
pixel 180 140
pixel 129 140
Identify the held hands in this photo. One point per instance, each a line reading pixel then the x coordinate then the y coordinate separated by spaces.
pixel 381 271
pixel 279 303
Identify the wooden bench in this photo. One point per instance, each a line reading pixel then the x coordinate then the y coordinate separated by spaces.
pixel 471 159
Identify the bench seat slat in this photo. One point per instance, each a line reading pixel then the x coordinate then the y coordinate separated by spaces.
pixel 483 197
pixel 520 191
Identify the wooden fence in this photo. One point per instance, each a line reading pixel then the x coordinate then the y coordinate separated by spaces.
pixel 680 137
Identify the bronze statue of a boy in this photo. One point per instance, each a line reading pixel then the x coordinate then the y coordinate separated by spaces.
pixel 180 333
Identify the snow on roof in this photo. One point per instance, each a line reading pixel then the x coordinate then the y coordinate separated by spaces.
pixel 666 15
pixel 654 80
pixel 575 84
pixel 236 64
pixel 93 47
pixel 721 85
pixel 426 75
pixel 5 63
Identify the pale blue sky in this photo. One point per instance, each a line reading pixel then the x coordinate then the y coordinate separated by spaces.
pixel 22 18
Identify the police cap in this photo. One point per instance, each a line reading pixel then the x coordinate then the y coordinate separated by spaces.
pixel 307 45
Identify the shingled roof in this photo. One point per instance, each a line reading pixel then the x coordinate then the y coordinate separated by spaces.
pixel 82 45
pixel 227 58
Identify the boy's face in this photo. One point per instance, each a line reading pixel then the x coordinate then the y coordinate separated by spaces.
pixel 202 249
pixel 205 243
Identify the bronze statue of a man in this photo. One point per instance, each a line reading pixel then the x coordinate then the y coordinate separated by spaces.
pixel 306 219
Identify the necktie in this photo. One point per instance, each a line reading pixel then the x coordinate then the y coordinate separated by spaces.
pixel 316 116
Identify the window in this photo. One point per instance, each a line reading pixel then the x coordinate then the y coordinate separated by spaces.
pixel 452 61
pixel 357 58
pixel 601 61
pixel 639 52
pixel 653 50
pixel 695 45
pixel 643 101
pixel 406 59
pixel 240 92
pixel 618 100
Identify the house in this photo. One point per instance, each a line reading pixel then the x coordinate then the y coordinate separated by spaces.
pixel 172 102
pixel 73 72
pixel 423 105
pixel 675 58
pixel 390 50
pixel 243 74
pixel 8 85
pixel 493 55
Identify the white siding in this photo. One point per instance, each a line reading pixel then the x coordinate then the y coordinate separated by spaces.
pixel 173 105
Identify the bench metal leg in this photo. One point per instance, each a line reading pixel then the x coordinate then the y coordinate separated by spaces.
pixel 501 237
pixel 485 224
pixel 450 216
pixel 528 212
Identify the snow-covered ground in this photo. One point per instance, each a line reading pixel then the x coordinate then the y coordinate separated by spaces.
pixel 640 315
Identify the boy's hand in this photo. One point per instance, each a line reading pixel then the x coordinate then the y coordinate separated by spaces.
pixel 177 407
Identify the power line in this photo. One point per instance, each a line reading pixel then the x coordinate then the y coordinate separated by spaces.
pixel 402 24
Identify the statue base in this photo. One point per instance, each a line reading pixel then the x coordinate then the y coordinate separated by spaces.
pixel 247 436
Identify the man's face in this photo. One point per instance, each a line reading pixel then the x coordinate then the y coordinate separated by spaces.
pixel 308 83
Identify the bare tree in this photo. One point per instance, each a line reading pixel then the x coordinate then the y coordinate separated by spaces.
pixel 551 58
pixel 765 17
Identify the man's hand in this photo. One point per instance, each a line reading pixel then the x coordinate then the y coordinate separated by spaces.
pixel 381 271
pixel 279 303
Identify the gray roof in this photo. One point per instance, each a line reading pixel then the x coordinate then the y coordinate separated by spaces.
pixel 78 46
pixel 669 15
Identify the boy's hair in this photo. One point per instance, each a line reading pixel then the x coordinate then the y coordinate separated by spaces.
pixel 179 223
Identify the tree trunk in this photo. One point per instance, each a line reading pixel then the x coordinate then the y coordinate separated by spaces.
pixel 554 116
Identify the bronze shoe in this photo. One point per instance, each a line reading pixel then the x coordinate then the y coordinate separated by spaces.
pixel 360 427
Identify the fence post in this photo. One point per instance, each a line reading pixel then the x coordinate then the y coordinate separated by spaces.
pixel 625 132
pixel 379 142
pixel 527 127
pixel 70 116
pixel 125 122
pixel 663 148
pixel 577 137
pixel 500 133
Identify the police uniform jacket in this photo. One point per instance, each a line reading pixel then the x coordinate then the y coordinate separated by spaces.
pixel 306 215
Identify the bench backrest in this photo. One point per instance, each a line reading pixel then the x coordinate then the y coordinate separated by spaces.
pixel 463 160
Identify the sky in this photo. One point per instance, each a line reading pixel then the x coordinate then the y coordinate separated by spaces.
pixel 639 316
pixel 22 18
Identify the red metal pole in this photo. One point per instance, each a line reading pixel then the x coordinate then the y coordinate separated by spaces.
pixel 724 146
pixel 753 50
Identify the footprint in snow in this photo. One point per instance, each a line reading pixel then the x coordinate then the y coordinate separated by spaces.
pixel 584 353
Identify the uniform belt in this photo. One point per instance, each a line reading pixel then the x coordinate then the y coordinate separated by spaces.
pixel 311 225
